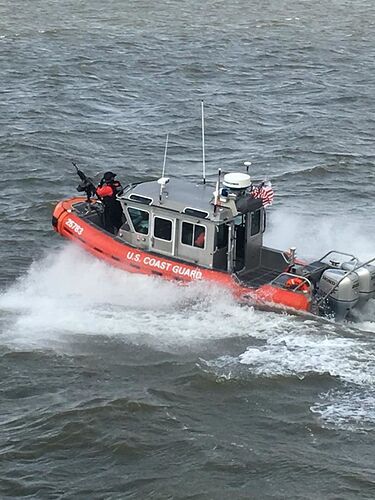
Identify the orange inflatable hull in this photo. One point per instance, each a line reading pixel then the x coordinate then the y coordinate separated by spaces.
pixel 112 250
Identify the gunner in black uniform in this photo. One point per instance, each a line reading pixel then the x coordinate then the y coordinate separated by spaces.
pixel 107 191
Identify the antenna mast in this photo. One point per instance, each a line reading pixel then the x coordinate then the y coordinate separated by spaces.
pixel 217 192
pixel 203 150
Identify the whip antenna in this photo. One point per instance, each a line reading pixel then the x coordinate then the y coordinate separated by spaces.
pixel 165 155
pixel 203 151
pixel 163 180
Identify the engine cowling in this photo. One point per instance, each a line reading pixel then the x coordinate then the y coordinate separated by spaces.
pixel 343 290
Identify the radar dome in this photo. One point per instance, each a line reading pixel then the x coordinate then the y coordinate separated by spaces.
pixel 237 181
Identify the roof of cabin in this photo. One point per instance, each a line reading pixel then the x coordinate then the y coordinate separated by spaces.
pixel 178 194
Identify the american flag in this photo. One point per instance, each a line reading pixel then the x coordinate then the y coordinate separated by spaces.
pixel 264 191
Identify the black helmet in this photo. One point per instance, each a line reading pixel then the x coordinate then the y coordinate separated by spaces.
pixel 109 176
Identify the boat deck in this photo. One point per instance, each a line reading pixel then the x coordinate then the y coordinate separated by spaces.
pixel 258 277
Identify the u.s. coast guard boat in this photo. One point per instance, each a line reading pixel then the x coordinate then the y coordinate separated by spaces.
pixel 186 231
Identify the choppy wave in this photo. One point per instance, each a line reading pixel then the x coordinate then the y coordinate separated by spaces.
pixel 71 293
pixel 305 350
pixel 350 408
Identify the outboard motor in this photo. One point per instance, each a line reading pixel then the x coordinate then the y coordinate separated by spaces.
pixel 366 276
pixel 343 290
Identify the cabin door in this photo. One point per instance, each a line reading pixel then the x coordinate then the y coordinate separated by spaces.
pixel 254 239
pixel 163 235
pixel 239 242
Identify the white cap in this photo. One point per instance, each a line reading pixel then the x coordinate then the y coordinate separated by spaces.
pixel 237 181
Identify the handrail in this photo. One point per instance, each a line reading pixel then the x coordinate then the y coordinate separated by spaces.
pixel 324 297
pixel 127 187
pixel 339 253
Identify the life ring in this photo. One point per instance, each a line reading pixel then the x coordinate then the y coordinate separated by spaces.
pixel 295 282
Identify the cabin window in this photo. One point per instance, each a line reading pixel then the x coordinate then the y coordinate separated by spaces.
pixel 221 236
pixel 140 199
pixel 140 220
pixel 163 229
pixel 193 235
pixel 240 220
pixel 195 213
pixel 255 223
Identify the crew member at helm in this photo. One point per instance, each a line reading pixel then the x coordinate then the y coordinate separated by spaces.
pixel 107 191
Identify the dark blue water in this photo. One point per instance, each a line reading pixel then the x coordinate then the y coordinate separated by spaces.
pixel 120 386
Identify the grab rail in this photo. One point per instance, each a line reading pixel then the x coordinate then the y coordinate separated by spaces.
pixel 303 278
